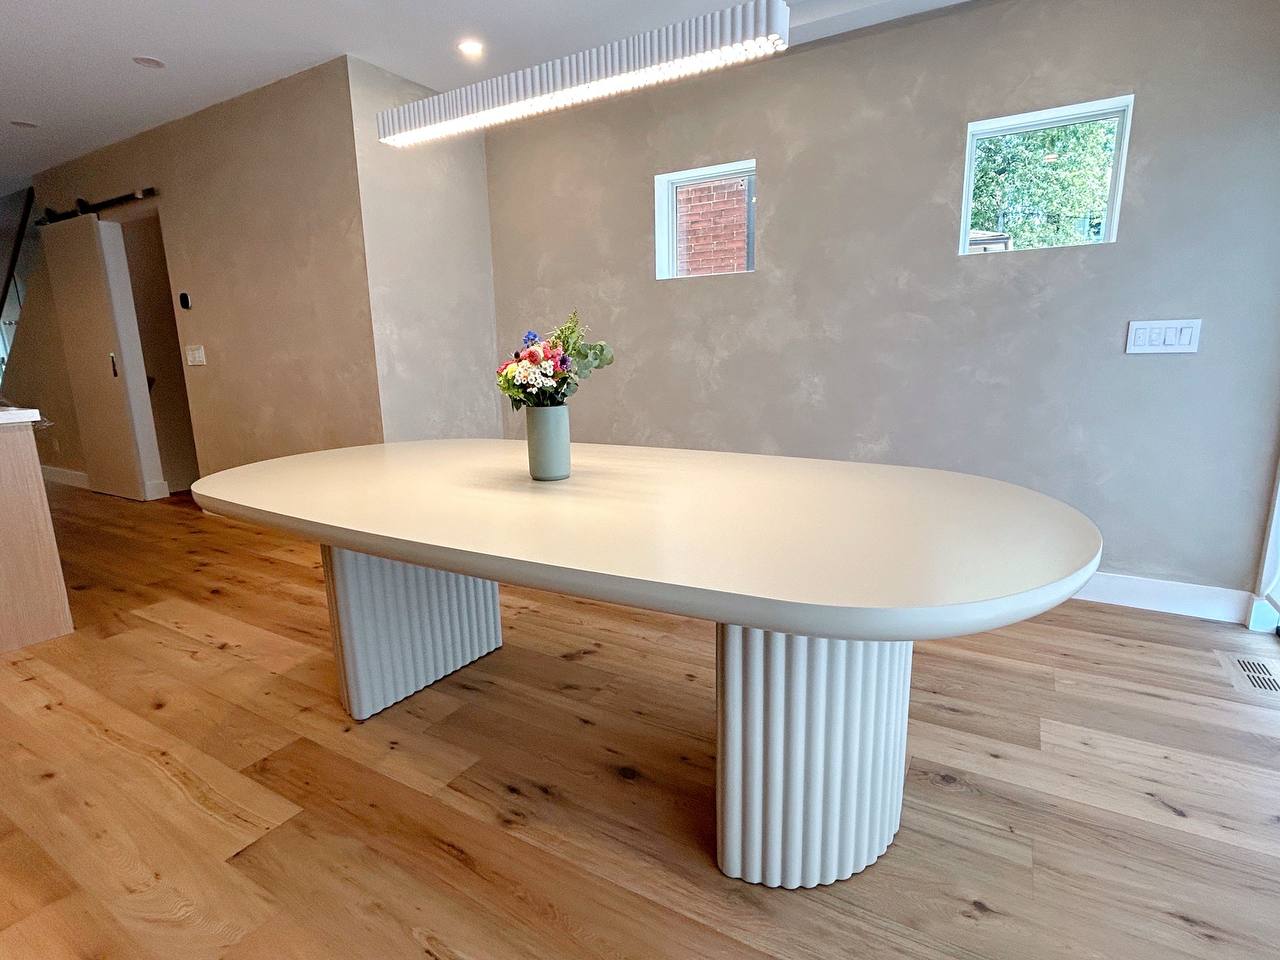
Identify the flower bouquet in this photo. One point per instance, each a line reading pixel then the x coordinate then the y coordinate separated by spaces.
pixel 542 376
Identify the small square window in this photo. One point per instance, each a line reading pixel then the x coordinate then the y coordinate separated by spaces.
pixel 705 220
pixel 1046 179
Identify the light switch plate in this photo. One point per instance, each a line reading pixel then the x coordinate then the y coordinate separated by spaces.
pixel 1163 336
pixel 195 355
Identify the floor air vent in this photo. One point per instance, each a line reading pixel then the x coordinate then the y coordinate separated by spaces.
pixel 1252 674
pixel 1259 674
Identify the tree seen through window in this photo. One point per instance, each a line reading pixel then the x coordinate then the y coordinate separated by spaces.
pixel 1047 187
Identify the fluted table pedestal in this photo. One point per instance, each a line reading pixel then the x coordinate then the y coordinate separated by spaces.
pixel 811 754
pixel 398 627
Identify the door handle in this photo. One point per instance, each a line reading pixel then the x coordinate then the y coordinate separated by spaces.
pixel 114 371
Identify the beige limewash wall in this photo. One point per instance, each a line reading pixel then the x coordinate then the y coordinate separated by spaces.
pixel 260 210
pixel 346 292
pixel 426 240
pixel 342 290
pixel 862 335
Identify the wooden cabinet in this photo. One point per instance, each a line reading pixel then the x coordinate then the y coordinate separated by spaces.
pixel 33 597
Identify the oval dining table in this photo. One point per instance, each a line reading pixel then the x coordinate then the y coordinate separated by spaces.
pixel 820 575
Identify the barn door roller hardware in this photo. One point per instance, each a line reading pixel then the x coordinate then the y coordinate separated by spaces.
pixel 84 206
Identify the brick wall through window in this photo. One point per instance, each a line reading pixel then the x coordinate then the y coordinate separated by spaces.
pixel 713 226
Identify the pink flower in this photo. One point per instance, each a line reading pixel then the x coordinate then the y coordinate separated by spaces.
pixel 504 364
pixel 533 355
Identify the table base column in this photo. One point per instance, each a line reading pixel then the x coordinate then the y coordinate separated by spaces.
pixel 811 756
pixel 398 627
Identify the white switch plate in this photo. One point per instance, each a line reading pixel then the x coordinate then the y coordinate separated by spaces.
pixel 195 355
pixel 1163 336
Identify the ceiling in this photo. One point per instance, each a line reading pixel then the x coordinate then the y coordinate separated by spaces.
pixel 67 65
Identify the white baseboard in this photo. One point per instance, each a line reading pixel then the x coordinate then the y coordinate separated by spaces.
pixel 70 478
pixel 1172 596
pixel 153 489
pixel 156 489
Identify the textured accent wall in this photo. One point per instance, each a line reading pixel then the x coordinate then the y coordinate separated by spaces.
pixel 862 335
pixel 425 218
pixel 260 211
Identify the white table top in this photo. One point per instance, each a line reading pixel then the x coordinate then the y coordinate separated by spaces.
pixel 18 415
pixel 813 547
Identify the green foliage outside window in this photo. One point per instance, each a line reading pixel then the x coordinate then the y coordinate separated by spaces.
pixel 1045 188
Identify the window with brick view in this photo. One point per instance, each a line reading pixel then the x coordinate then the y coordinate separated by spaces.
pixel 712 224
pixel 704 221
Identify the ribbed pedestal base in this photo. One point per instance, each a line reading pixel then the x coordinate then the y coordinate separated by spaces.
pixel 398 627
pixel 811 757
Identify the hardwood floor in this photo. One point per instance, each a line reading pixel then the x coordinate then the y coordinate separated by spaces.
pixel 181 781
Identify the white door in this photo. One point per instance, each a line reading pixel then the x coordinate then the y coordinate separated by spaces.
pixel 90 279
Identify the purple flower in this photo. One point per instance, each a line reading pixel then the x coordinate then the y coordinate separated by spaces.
pixel 566 361
pixel 531 337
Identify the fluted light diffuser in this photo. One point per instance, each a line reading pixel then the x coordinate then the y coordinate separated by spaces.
pixel 739 34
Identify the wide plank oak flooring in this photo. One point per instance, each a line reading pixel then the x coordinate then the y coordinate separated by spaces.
pixel 180 780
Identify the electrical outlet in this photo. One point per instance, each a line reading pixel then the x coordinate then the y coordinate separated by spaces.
pixel 1163 336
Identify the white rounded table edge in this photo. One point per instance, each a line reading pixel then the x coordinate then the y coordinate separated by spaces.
pixel 853 623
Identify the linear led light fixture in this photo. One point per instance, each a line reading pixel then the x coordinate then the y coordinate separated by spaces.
pixel 739 34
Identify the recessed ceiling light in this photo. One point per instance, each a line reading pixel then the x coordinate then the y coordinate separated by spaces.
pixel 25 124
pixel 471 48
pixel 152 62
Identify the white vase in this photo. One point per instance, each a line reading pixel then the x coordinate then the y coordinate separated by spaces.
pixel 547 429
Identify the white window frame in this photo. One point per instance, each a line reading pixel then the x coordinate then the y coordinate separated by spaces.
pixel 1119 108
pixel 665 249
